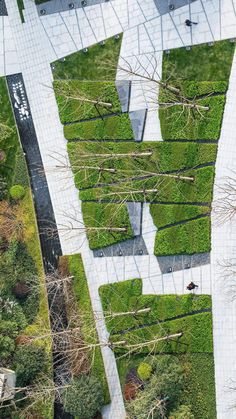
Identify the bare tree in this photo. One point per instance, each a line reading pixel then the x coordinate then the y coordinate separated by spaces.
pixel 224 207
pixel 169 96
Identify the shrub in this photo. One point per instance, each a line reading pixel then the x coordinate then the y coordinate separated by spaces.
pixel 144 371
pixel 13 313
pixel 130 391
pixel 29 360
pixel 84 398
pixel 167 382
pixel 183 412
pixel 21 290
pixel 17 192
pixel 7 346
pixel 2 156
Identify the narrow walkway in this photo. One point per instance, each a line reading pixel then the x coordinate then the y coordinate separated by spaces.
pixel 40 41
pixel 224 247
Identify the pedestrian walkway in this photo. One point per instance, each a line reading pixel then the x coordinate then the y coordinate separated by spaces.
pixel 223 248
pixel 72 30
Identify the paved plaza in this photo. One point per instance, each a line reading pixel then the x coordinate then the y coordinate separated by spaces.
pixel 29 48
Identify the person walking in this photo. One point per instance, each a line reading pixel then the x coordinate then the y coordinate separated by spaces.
pixel 191 286
pixel 190 23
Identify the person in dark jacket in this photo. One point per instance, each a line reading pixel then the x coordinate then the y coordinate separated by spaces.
pixel 191 286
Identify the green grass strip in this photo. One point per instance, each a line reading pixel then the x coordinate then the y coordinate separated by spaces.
pixel 111 128
pixel 196 329
pixel 189 238
pixel 73 98
pixel 127 296
pixel 81 291
pixel 202 62
pixel 105 216
pixel 99 63
pixel 169 214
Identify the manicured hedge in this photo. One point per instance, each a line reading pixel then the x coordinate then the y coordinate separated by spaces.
pixel 188 238
pixel 177 123
pixel 105 215
pixel 199 384
pixel 76 109
pixel 110 128
pixel 165 156
pixel 88 329
pixel 168 189
pixel 127 296
pixel 168 214
pixel 196 329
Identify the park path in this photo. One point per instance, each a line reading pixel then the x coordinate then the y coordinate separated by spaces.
pixel 37 43
pixel 223 249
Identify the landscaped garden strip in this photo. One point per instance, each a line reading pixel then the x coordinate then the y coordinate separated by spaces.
pixel 126 296
pixel 162 157
pixel 215 64
pixel 156 189
pixel 98 63
pixel 164 215
pixel 187 238
pixel 9 140
pixel 78 100
pixel 88 328
pixel 21 263
pixel 115 127
pixel 196 327
pixel 178 122
pixel 102 217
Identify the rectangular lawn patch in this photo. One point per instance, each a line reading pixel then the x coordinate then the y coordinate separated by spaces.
pixel 105 216
pixel 109 128
pixel 188 238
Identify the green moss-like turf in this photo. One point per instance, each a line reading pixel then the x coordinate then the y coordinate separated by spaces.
pixel 188 238
pixel 171 190
pixel 177 123
pixel 105 215
pixel 165 157
pixel 215 62
pixel 110 128
pixel 196 329
pixel 127 296
pixel 99 63
pixel 199 389
pixel 73 95
pixel 164 215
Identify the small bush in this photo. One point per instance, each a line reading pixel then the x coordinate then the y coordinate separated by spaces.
pixel 17 192
pixel 21 290
pixel 29 360
pixel 144 371
pixel 84 398
pixel 183 412
pixel 130 391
